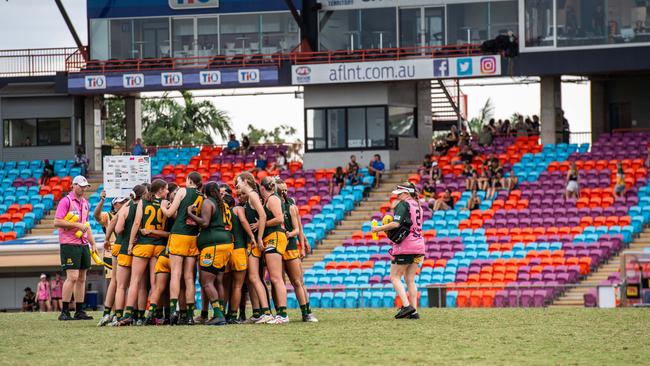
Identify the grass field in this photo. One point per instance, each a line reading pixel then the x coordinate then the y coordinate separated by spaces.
pixel 344 337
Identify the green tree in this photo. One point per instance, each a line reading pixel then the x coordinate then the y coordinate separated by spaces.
pixel 485 114
pixel 115 130
pixel 167 122
pixel 278 135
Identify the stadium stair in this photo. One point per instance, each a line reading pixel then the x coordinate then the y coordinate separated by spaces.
pixel 576 296
pixel 46 226
pixel 360 214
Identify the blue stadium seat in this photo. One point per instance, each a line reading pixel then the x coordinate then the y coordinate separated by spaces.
pixel 327 300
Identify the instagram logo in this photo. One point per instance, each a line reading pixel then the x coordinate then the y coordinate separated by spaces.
pixel 488 65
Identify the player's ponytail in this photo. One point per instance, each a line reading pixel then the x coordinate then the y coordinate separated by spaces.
pixel 156 186
pixel 212 190
pixel 137 192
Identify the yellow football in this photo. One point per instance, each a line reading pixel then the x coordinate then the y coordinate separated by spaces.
pixel 387 220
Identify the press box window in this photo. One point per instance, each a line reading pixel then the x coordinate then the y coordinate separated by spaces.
pixel 37 132
pixel 346 128
pixel 402 122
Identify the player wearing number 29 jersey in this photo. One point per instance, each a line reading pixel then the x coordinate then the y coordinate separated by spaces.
pixel 151 245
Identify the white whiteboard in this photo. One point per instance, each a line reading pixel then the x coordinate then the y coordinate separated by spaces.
pixel 122 173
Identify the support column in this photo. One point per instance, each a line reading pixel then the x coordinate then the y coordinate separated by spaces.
pixel 598 102
pixel 133 112
pixel 93 131
pixel 551 105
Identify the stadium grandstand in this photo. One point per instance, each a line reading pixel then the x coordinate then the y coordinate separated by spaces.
pixel 532 217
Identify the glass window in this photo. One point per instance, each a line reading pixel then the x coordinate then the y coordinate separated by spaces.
pixel 402 122
pixel 151 37
pixel 434 26
pixel 316 129
pixel 208 36
pixel 99 49
pixel 356 29
pixel 356 127
pixel 122 39
pixel 376 122
pixel 595 22
pixel 538 23
pixel 280 33
pixel 240 34
pixel 336 128
pixel 410 27
pixel 478 22
pixel 41 132
pixel 183 37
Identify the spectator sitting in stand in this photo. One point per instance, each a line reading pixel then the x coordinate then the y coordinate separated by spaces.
pixel 535 124
pixel 429 190
pixel 261 163
pixel 29 300
pixel 493 127
pixel 572 185
pixel 245 145
pixel 452 137
pixel 471 177
pixel 28 141
pixel 353 170
pixel 425 169
pixel 486 136
pixel 281 161
pixel 233 145
pixel 376 168
pixel 465 136
pixel 81 160
pixel 505 127
pixel 520 126
pixel 445 202
pixel 337 182
pixel 466 154
pixel 619 188
pixel 474 202
pixel 436 173
pixel 137 148
pixel 48 172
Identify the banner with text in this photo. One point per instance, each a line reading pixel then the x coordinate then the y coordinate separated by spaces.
pixel 123 172
pixel 361 72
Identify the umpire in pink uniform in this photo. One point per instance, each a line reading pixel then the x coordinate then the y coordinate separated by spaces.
pixel 76 240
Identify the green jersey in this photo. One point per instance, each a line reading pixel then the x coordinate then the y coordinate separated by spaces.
pixel 128 224
pixel 218 231
pixel 269 215
pixel 239 236
pixel 292 243
pixel 251 215
pixel 152 219
pixel 183 224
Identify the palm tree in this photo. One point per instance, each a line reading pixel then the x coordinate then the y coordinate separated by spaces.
pixel 485 114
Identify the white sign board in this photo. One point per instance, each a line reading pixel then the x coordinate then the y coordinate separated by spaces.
pixel 415 69
pixel 122 173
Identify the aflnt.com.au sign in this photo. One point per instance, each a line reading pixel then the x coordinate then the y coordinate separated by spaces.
pixel 359 72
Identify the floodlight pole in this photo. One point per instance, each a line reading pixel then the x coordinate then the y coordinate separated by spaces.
pixel 71 28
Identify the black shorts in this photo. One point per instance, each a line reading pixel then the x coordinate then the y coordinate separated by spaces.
pixel 75 257
pixel 407 259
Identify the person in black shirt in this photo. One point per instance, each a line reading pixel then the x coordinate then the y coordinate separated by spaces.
pixel 353 170
pixel 445 202
pixel 474 202
pixel 338 181
pixel 29 300
pixel 471 177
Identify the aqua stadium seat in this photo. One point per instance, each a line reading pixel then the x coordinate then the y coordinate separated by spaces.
pixel 327 300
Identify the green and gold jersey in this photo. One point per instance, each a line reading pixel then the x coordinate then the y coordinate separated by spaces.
pixel 251 215
pixel 292 243
pixel 128 225
pixel 152 219
pixel 239 236
pixel 218 231
pixel 183 225
pixel 269 215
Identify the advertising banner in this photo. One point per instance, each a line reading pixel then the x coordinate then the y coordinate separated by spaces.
pixel 415 69
pixel 123 172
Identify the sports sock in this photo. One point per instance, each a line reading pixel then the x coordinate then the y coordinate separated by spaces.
pixel 308 307
pixel 282 311
pixel 79 306
pixel 166 312
pixel 204 314
pixel 152 309
pixel 141 314
pixel 257 313
pixel 217 309
pixel 190 310
pixel 172 304
pixel 231 315
pixel 119 313
pixel 128 313
pixel 303 310
pixel 107 310
pixel 266 311
pixel 66 307
pixel 159 313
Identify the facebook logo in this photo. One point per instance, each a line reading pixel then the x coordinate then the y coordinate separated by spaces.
pixel 464 66
pixel 440 68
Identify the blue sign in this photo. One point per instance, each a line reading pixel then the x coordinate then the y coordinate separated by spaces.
pixel 464 66
pixel 115 82
pixel 440 67
pixel 102 9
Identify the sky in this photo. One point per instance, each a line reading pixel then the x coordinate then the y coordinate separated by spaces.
pixel 38 24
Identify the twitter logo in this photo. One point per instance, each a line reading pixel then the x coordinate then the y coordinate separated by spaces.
pixel 464 66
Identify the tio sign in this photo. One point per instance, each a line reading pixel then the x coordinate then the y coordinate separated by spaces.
pixel 248 76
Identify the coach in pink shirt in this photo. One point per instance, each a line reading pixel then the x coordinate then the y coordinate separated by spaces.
pixel 76 241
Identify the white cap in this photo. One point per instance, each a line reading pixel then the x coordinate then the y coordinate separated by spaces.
pixel 402 189
pixel 119 200
pixel 43 275
pixel 81 181
pixel 435 163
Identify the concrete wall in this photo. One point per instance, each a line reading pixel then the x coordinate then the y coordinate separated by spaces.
pixel 328 160
pixel 632 91
pixel 414 149
pixel 38 107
